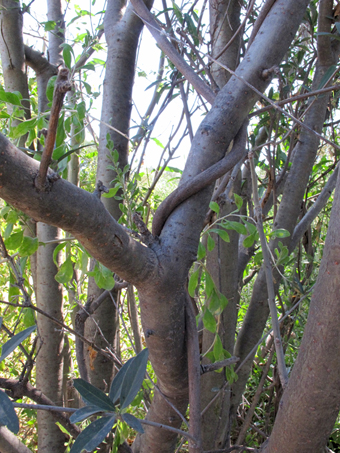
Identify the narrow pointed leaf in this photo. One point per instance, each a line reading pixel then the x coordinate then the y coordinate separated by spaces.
pixel 83 413
pixel 133 422
pixel 11 344
pixel 8 417
pixel 93 395
pixel 133 378
pixel 117 382
pixel 93 435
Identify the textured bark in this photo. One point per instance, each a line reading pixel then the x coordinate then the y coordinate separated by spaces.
pixel 222 261
pixel 122 30
pixel 9 443
pixel 49 377
pixel 224 22
pixel 49 293
pixel 289 210
pixel 310 404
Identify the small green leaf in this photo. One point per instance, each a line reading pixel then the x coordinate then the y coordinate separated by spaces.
pixel 65 273
pixel 93 435
pixel 201 252
pixel 50 89
pixel 14 241
pixel 28 246
pixel 104 277
pixel 193 282
pixel 10 98
pixel 209 321
pixel 222 233
pixel 28 318
pixel 210 243
pixel 214 207
pixel 218 349
pixel 279 233
pixel 237 226
pixel 214 304
pixel 61 135
pixel 8 417
pixel 22 128
pixel 67 55
pixel 238 201
pixel 81 109
pixel 12 216
pixel 249 241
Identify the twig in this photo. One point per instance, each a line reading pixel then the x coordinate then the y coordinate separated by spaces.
pixel 62 85
pixel 169 428
pixel 269 278
pixel 217 365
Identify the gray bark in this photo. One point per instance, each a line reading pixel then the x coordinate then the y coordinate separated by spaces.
pixel 314 383
pixel 289 210
pixel 49 371
pixel 9 443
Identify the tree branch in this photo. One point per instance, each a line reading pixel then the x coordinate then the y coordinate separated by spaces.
pixel 62 86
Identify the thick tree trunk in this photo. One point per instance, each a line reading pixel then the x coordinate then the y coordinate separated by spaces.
pixel 289 210
pixel 311 402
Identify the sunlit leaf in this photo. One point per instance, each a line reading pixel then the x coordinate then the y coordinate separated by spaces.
pixel 193 282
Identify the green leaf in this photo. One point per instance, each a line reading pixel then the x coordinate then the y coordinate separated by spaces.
pixel 93 435
pixel 249 241
pixel 50 88
pixel 49 25
pixel 67 55
pixel 209 284
pixel 178 13
pixel 61 135
pixel 133 422
pixel 84 412
pixel 223 301
pixel 214 207
pixel 117 382
pixel 193 282
pixel 214 304
pixel 237 226
pixel 81 109
pixel 28 318
pixel 222 233
pixel 28 246
pixel 93 395
pixel 10 98
pixel 65 272
pixel 238 201
pixel 59 152
pixel 11 344
pixel 201 252
pixel 210 243
pixel 14 241
pixel 209 321
pixel 279 233
pixel 250 227
pixel 8 417
pixel 22 128
pixel 12 216
pixel 218 349
pixel 134 378
pixel 104 277
pixel 56 251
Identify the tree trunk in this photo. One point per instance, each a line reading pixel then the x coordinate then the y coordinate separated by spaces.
pixel 311 402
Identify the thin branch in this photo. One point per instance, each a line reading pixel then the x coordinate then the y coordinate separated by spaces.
pixel 269 278
pixel 62 85
pixel 161 38
pixel 320 202
pixel 217 365
pixel 298 97
pixel 275 105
